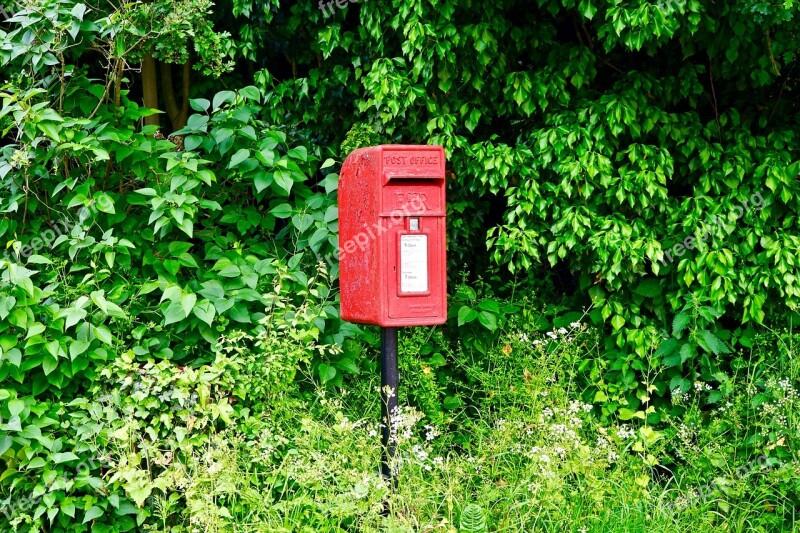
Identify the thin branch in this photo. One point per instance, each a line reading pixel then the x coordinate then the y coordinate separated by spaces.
pixel 714 95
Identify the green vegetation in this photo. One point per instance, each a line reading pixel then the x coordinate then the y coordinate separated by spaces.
pixel 624 243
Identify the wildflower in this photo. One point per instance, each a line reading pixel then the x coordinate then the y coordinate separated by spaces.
pixel 431 432
pixel 562 331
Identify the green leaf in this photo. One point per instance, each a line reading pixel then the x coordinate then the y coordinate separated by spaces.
pixel 489 320
pixel 174 313
pixel 347 365
pixel 326 372
pixel 262 181
pixel 240 156
pixel 452 402
pixel 39 260
pixel 78 10
pixel 103 333
pixel 466 314
pixel 649 288
pixel 92 513
pixel 76 348
pixel 16 406
pixel 587 9
pixel 205 311
pixel 250 92
pixel 299 152
pixel 104 203
pixel 668 347
pixel 282 211
pixel 199 104
pixel 472 519
pixel 223 97
pixel 713 343
pixel 680 383
pixel 187 302
pixel 63 457
pixel 679 323
pixel 283 180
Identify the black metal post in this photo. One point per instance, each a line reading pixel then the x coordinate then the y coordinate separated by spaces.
pixel 389 383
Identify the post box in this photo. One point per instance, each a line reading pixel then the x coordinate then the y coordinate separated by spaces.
pixel 392 236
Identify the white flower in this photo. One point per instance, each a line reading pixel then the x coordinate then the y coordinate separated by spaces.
pixel 562 331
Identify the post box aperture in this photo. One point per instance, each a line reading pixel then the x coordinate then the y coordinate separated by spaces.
pixel 392 236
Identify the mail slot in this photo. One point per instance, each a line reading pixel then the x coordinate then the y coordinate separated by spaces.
pixel 392 236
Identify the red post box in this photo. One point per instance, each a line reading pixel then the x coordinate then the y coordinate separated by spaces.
pixel 392 236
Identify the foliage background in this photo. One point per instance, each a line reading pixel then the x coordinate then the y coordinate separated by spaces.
pixel 176 254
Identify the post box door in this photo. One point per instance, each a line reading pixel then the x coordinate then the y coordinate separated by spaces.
pixel 416 283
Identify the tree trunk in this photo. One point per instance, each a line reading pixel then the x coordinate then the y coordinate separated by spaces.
pixel 177 114
pixel 149 88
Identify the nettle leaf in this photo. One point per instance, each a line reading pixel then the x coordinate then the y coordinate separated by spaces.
pixel 711 343
pixel 681 384
pixel 667 348
pixel 679 323
pixel 649 288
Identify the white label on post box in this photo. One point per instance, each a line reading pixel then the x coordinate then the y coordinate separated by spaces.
pixel 413 263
